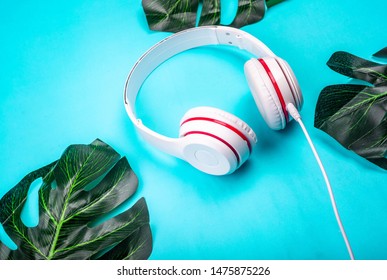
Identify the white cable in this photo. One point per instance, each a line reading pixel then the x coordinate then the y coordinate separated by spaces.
pixel 296 116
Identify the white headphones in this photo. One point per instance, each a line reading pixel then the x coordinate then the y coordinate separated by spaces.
pixel 210 139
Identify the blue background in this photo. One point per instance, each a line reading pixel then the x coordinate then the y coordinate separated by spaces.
pixel 63 65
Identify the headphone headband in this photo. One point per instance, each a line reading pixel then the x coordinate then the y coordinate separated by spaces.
pixel 170 46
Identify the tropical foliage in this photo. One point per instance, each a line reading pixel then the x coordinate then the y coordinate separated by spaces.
pixel 78 193
pixel 177 15
pixel 356 114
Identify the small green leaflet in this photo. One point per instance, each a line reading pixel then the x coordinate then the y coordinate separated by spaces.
pixel 382 53
pixel 358 68
pixel 77 195
pixel 177 15
pixel 356 115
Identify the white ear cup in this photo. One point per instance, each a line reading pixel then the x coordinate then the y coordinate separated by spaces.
pixel 216 142
pixel 291 79
pixel 273 86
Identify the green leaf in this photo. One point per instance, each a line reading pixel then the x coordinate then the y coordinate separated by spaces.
pixel 382 53
pixel 355 115
pixel 87 183
pixel 271 3
pixel 210 13
pixel 249 12
pixel 358 68
pixel 174 16
pixel 170 15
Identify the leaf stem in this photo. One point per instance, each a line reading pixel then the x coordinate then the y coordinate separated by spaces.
pixel 62 218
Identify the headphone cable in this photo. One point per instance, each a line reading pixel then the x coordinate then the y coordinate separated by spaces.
pixel 296 116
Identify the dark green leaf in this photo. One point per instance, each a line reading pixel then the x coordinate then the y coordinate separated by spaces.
pixel 173 16
pixel 170 15
pixel 86 183
pixel 356 117
pixel 382 53
pixel 271 3
pixel 210 13
pixel 249 12
pixel 358 68
pixel 332 99
pixel 125 249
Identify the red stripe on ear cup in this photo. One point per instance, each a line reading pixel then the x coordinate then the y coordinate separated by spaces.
pixel 220 139
pixel 223 124
pixel 276 87
pixel 296 101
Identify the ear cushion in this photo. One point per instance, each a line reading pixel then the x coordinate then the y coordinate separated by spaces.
pixel 263 93
pixel 270 84
pixel 230 132
pixel 292 82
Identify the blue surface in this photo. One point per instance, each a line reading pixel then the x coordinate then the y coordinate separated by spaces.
pixel 62 72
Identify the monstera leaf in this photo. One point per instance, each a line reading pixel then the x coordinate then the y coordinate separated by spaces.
pixel 77 195
pixel 382 53
pixel 356 115
pixel 177 15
